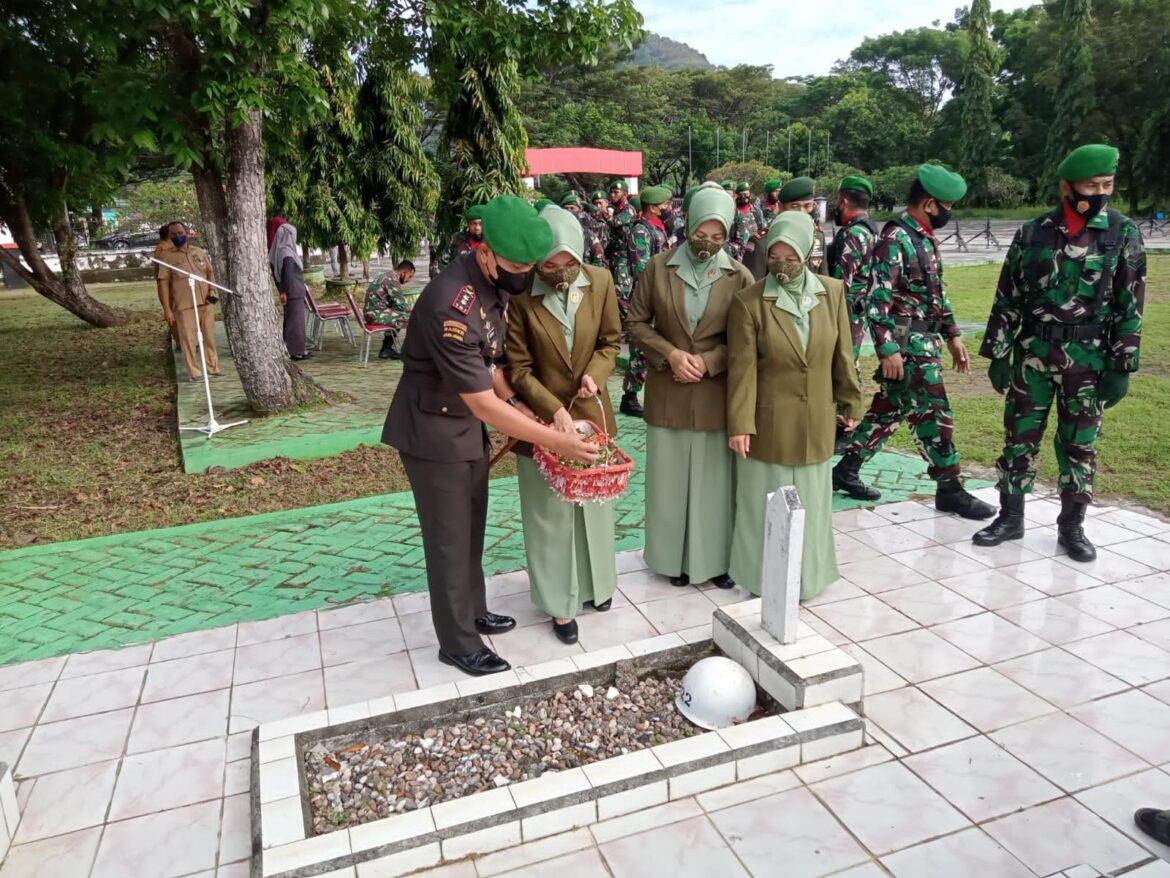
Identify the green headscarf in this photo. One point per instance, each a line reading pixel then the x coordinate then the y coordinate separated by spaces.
pixel 568 236
pixel 706 204
pixel 796 229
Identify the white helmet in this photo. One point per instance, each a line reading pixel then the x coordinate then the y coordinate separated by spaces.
pixel 716 693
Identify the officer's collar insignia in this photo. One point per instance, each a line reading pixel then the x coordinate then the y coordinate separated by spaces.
pixel 482 313
pixel 464 299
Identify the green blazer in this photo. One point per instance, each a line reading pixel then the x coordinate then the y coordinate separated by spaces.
pixel 657 323
pixel 785 398
pixel 544 371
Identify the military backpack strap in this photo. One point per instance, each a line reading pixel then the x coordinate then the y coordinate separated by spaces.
pixel 1109 251
pixel 917 238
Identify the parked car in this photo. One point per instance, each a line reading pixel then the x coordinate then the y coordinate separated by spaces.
pixel 128 240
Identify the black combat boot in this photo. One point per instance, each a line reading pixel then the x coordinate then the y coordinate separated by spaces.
pixel 842 440
pixel 630 405
pixel 1070 529
pixel 846 480
pixel 389 351
pixel 1008 525
pixel 951 496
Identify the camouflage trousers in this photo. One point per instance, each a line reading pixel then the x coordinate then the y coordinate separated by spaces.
pixel 1025 415
pixel 635 377
pixel 920 399
pixel 857 330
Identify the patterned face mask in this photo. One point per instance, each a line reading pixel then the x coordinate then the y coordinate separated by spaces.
pixel 560 279
pixel 785 272
pixel 702 248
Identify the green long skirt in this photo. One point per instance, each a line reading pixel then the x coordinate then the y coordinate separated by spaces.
pixel 754 481
pixel 570 550
pixel 690 486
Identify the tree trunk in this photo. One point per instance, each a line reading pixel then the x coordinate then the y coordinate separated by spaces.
pixel 209 189
pixel 342 261
pixel 68 290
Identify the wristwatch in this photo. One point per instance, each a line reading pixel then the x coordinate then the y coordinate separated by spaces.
pixel 513 400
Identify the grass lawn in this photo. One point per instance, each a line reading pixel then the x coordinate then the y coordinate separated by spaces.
pixel 1133 453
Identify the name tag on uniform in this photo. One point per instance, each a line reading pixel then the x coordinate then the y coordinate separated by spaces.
pixel 454 330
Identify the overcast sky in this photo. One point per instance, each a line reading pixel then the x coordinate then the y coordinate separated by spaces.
pixel 797 37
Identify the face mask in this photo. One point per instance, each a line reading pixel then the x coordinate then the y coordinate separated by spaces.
pixel 937 221
pixel 702 248
pixel 744 199
pixel 1088 206
pixel 511 281
pixel 475 236
pixel 560 279
pixel 179 240
pixel 667 217
pixel 785 272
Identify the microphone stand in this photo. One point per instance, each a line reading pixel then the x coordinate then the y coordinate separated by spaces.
pixel 212 426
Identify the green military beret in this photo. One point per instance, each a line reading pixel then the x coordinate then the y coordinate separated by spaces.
pixel 636 200
pixel 728 184
pixel 619 184
pixel 744 187
pixel 542 203
pixel 858 183
pixel 1090 160
pixel 599 194
pixel 514 230
pixel 772 185
pixel 686 204
pixel 940 183
pixel 571 198
pixel 798 189
pixel 654 195
pixel 474 212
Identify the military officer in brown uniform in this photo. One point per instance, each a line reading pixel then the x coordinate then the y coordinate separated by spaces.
pixel 180 311
pixel 450 388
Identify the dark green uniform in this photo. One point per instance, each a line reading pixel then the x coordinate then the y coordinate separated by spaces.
pixel 385 304
pixel 747 230
pixel 455 340
pixel 850 260
pixel 1064 311
pixel 909 312
pixel 617 251
pixel 768 209
pixel 594 252
pixel 459 244
pixel 647 239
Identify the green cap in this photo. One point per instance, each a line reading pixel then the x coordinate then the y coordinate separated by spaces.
pixel 654 195
pixel 798 189
pixel 795 228
pixel 708 204
pixel 571 198
pixel 599 194
pixel 772 185
pixel 686 205
pixel 567 234
pixel 542 203
pixel 1090 160
pixel 619 184
pixel 854 182
pixel 940 183
pixel 474 212
pixel 744 187
pixel 636 200
pixel 514 230
pixel 728 184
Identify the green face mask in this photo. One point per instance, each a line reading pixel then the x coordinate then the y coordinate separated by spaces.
pixel 703 249
pixel 560 279
pixel 785 272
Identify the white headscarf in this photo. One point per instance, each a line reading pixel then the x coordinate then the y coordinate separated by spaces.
pixel 284 245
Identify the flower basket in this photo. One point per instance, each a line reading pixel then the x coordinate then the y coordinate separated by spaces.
pixel 606 479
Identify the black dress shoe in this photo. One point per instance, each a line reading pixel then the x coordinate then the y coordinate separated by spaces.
pixel 566 633
pixel 723 581
pixel 603 606
pixel 680 580
pixel 478 663
pixel 630 406
pixel 494 623
pixel 305 356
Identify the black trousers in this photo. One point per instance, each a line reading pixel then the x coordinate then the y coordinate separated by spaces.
pixel 294 327
pixel 451 500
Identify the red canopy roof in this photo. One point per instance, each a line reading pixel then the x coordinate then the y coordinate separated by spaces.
pixel 584 160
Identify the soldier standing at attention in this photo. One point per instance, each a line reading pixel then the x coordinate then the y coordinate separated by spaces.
pixel 909 315
pixel 746 229
pixel 450 388
pixel 465 240
pixel 769 203
pixel 620 225
pixel 594 253
pixel 799 193
pixel 648 238
pixel 1066 325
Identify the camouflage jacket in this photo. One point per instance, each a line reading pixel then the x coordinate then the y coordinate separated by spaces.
pixel 594 250
pixel 850 260
pixel 679 232
pixel 620 225
pixel 767 210
pixel 901 290
pixel 460 243
pixel 745 231
pixel 1058 284
pixel 591 218
pixel 646 240
pixel 384 299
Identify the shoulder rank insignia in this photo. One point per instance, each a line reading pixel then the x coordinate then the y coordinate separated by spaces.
pixel 464 299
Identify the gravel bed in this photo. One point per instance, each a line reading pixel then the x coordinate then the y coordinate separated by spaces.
pixel 371 780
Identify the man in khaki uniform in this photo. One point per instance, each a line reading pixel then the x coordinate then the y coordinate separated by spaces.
pixel 175 294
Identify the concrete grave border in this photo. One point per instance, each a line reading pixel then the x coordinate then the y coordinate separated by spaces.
pixel 9 809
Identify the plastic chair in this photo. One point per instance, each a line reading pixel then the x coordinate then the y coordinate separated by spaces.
pixel 370 329
pixel 324 313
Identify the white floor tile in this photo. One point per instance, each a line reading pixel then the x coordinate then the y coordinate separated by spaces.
pixel 1157 633
pixel 986 699
pixel 989 638
pixel 691 849
pixel 67 801
pixel 171 778
pixel 1116 802
pixel 194 643
pixel 967 853
pixel 1123 655
pixel 1137 721
pixel 274 629
pixel 598 630
pixel 74 742
pixel 96 693
pixel 939 562
pixel 418 630
pixel 849 520
pixel 86 663
pixel 64 856
pixel 277 658
pixel 892 538
pixel 919 655
pixel 187 676
pixel 1111 565
pixel 1140 523
pixel 1145 550
pixel 355 614
pixel 1060 678
pixel 906 510
pixel 864 618
pixel 915 720
pixel 367 640
pixel 170 843
pixel 1008 554
pixel 678 611
pixel 1116 606
pixel 278 698
pixel 367 680
pixel 179 721
pixel 875 675
pixel 31 673
pixel 930 603
pixel 1051 577
pixel 1154 588
pixel 21 708
pixel 992 589
pixel 850 548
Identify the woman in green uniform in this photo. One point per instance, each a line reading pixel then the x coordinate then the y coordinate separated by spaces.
pixel 564 334
pixel 790 368
pixel 679 318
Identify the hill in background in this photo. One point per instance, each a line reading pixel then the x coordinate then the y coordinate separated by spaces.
pixel 670 55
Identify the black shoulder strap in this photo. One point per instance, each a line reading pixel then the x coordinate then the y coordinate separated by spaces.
pixel 917 238
pixel 1109 247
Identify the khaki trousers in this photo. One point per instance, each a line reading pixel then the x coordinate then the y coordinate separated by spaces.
pixel 185 325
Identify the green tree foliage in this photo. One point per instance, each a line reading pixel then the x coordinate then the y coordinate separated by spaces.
pixel 977 128
pixel 1075 96
pixel 754 173
pixel 155 202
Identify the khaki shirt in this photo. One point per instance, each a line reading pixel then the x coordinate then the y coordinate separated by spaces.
pixel 190 258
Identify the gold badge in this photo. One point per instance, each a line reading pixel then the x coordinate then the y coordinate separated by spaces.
pixel 482 313
pixel 575 296
pixel 454 330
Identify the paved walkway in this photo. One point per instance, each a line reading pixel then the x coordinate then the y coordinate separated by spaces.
pixel 1018 711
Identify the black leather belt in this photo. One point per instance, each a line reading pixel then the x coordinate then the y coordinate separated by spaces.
pixel 1063 331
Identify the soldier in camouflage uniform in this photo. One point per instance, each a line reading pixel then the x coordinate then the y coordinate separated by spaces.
pixel 1066 326
pixel 909 315
pixel 769 203
pixel 594 253
pixel 747 229
pixel 619 226
pixel 465 240
pixel 647 239
pixel 799 193
pixel 386 306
